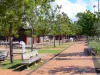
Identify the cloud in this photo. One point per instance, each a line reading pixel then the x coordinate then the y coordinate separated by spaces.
pixel 71 8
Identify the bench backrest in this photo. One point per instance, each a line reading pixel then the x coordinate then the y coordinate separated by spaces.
pixel 30 54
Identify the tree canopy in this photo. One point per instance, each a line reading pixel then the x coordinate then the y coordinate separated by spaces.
pixel 87 20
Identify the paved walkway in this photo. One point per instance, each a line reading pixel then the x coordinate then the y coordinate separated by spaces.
pixel 72 61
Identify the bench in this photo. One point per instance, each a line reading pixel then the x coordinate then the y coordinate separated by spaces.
pixel 3 55
pixel 30 57
pixel 90 51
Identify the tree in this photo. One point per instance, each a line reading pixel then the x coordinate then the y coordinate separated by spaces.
pixel 36 12
pixel 87 21
pixel 65 25
pixel 54 22
pixel 10 19
pixel 15 13
pixel 42 28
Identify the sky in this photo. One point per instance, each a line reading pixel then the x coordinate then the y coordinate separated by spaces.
pixel 72 7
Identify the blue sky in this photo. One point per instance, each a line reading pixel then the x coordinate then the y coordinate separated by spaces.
pixel 88 2
pixel 72 7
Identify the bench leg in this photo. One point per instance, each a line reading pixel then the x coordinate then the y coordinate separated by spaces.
pixel 36 64
pixel 27 67
pixel 41 61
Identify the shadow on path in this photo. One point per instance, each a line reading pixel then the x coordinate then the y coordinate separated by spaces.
pixel 72 54
pixel 76 58
pixel 96 64
pixel 73 70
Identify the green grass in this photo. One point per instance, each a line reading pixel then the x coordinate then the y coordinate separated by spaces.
pixel 55 50
pixel 95 45
pixel 57 45
pixel 17 66
pixel 7 65
pixel 50 51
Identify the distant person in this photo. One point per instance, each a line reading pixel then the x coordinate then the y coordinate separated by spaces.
pixel 71 39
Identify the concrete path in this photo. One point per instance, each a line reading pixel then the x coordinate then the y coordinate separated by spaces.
pixel 72 61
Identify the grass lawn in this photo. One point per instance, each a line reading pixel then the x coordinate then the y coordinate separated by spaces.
pixel 55 50
pixel 95 44
pixel 58 47
pixel 17 66
pixel 50 51
pixel 7 65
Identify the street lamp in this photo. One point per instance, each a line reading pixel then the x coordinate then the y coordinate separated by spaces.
pixel 98 6
pixel 94 7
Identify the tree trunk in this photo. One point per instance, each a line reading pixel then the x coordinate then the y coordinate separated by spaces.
pixel 54 41
pixel 66 39
pixel 62 39
pixel 59 39
pixel 77 38
pixel 11 45
pixel 98 37
pixel 43 38
pixel 32 39
pixel 87 38
pixel 11 50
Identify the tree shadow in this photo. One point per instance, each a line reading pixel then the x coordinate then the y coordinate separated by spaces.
pixel 17 67
pixel 72 54
pixel 73 70
pixel 89 51
pixel 76 58
pixel 96 64
pixel 20 68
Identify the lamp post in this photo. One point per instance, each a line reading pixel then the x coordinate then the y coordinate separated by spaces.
pixel 94 7
pixel 98 8
pixel 98 5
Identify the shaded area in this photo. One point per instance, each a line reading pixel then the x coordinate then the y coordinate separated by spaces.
pixel 97 70
pixel 20 68
pixel 15 67
pixel 72 54
pixel 73 70
pixel 89 51
pixel 23 67
pixel 76 58
pixel 96 64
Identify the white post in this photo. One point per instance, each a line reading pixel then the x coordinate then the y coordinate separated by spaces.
pixel 23 48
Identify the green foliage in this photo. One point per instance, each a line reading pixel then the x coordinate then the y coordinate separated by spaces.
pixel 75 29
pixel 27 32
pixel 42 28
pixel 10 18
pixel 87 21
pixel 95 45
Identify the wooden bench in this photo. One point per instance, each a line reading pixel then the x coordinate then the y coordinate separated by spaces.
pixel 30 57
pixel 3 55
pixel 90 51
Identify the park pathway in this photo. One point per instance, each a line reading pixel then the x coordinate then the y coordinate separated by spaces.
pixel 72 61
